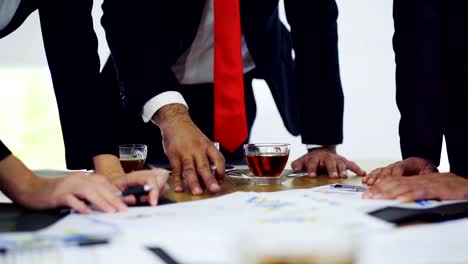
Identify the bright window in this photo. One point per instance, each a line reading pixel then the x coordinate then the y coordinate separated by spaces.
pixel 29 122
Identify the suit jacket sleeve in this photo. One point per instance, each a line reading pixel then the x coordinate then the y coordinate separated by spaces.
pixel 71 48
pixel 4 152
pixel 315 39
pixel 146 38
pixel 418 54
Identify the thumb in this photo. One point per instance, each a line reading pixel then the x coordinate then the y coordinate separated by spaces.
pixel 161 177
pixel 297 165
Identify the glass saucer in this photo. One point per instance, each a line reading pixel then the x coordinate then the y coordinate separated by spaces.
pixel 246 174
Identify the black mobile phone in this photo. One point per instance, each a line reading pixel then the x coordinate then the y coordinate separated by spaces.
pixel 435 214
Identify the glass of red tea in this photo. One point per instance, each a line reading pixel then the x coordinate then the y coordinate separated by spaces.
pixel 132 156
pixel 266 159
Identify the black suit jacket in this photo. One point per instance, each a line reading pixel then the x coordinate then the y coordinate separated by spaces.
pixel 430 45
pixel 154 34
pixel 4 151
pixel 71 48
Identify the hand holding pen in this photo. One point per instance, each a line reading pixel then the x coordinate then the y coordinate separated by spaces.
pixel 150 183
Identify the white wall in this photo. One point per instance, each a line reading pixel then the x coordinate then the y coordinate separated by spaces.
pixel 24 47
pixel 367 70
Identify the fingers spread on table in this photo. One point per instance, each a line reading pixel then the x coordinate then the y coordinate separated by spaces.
pixel 298 165
pixel 332 171
pixel 312 165
pixel 191 176
pixel 204 170
pixel 217 160
pixel 351 165
pixel 176 166
pixel 341 165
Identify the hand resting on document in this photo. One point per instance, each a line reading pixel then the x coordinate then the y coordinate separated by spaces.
pixel 442 186
pixel 408 167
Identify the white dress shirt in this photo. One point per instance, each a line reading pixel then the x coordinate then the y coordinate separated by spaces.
pixel 7 11
pixel 196 65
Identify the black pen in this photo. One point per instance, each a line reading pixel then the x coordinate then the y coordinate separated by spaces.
pixel 348 187
pixel 136 190
pixel 163 255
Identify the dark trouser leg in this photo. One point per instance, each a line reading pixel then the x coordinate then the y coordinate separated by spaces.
pixel 419 87
pixel 456 90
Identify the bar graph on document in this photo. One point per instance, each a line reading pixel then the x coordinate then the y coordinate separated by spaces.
pixel 248 208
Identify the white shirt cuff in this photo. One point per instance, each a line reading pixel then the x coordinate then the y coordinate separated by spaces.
pixel 314 146
pixel 159 101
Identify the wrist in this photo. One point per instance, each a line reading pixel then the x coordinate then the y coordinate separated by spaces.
pixel 32 190
pixel 159 101
pixel 108 166
pixel 171 115
pixel 421 162
pixel 16 180
pixel 420 159
pixel 331 148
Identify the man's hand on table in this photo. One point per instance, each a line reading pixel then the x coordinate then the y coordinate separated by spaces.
pixel 326 158
pixel 408 167
pixel 189 151
pixel 443 186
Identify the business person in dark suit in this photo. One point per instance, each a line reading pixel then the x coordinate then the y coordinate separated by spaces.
pixel 431 49
pixel 71 49
pixel 163 52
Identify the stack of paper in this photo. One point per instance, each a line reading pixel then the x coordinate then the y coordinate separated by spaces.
pixel 192 231
pixel 445 243
pixel 228 229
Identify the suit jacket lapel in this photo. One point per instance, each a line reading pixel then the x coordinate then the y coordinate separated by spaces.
pixel 190 20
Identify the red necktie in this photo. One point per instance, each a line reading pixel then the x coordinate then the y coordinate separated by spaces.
pixel 230 126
